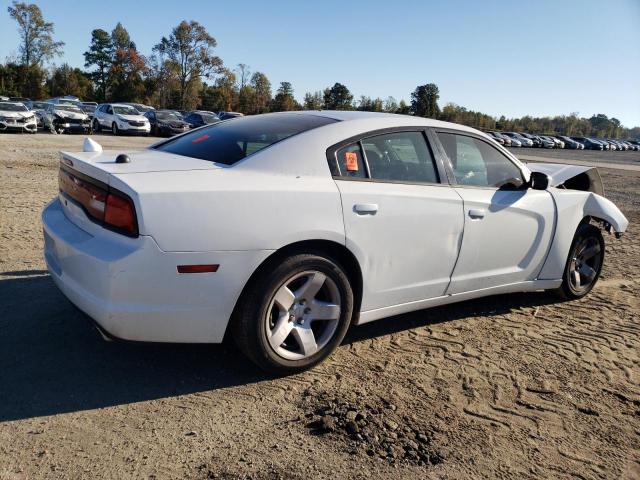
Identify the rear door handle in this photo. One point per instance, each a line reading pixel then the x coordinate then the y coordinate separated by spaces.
pixel 476 213
pixel 365 208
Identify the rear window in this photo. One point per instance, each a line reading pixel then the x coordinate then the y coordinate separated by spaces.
pixel 230 141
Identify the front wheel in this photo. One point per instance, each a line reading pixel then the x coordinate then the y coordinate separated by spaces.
pixel 584 264
pixel 114 129
pixel 294 315
pixel 96 126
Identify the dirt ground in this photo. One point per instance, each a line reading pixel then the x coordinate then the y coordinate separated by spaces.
pixel 513 386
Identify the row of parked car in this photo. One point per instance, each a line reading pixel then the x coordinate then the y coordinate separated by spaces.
pixel 518 139
pixel 70 114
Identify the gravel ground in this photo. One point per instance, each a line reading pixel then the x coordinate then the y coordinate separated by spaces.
pixel 512 386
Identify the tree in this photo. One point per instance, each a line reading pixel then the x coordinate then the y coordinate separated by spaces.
pixel 125 75
pixel 390 105
pixel 424 101
pixel 338 97
pixel 37 45
pixel 21 80
pixel 65 80
pixel 313 101
pixel 262 92
pixel 121 39
pixel 244 73
pixel 284 100
pixel 100 55
pixel 190 47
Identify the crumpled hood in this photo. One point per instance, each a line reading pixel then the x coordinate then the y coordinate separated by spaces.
pixel 68 114
pixel 575 177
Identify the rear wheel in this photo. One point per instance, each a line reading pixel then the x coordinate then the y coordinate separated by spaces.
pixel 294 315
pixel 114 129
pixel 584 264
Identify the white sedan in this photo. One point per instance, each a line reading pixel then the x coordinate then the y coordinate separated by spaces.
pixel 282 230
pixel 15 116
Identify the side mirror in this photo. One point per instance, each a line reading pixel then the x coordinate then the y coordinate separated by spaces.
pixel 539 181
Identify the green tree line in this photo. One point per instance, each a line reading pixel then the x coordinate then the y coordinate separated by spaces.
pixel 183 72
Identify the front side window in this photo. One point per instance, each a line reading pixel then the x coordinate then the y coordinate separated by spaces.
pixel 477 163
pixel 402 156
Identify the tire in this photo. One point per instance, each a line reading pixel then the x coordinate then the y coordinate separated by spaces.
pixel 274 324
pixel 96 126
pixel 584 263
pixel 114 129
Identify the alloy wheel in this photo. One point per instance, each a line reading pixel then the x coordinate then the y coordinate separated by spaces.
pixel 303 315
pixel 585 264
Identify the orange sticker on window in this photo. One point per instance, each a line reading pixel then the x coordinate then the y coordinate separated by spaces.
pixel 351 161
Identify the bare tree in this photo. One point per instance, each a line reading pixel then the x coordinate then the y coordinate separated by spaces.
pixel 36 35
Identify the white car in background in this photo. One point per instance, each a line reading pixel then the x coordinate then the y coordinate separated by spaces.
pixel 120 119
pixel 15 116
pixel 282 230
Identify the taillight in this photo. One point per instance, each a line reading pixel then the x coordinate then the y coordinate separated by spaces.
pixel 120 213
pixel 101 203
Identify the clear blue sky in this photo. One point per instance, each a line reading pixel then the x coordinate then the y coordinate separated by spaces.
pixel 542 57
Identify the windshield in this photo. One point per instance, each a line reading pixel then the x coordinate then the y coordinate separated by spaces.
pixel 167 116
pixel 208 118
pixel 13 107
pixel 68 108
pixel 38 105
pixel 229 142
pixel 125 110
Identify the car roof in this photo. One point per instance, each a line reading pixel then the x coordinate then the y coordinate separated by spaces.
pixel 12 102
pixel 389 119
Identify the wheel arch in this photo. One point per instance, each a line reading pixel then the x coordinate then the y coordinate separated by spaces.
pixel 335 250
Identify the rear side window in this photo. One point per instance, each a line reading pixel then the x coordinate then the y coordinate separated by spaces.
pixel 230 141
pixel 350 161
pixel 402 156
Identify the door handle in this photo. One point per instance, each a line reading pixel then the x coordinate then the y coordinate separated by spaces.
pixel 476 213
pixel 365 208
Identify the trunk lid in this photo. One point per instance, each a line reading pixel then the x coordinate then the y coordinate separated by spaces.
pixel 101 165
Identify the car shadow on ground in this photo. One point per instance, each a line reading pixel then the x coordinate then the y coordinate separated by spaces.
pixel 53 361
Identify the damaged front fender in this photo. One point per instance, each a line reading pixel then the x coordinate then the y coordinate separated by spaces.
pixel 573 207
pixel 571 177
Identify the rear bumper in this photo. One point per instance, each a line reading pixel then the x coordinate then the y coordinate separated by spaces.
pixel 131 288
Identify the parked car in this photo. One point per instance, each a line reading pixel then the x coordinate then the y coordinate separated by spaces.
pixel 139 107
pixel 589 143
pixel 65 117
pixel 228 115
pixel 276 230
pixel 37 107
pixel 15 116
pixel 505 139
pixel 546 142
pixel 166 123
pixel 199 118
pixel 24 100
pixel 89 108
pixel 67 99
pixel 536 141
pixel 525 142
pixel 496 138
pixel 570 143
pixel 120 119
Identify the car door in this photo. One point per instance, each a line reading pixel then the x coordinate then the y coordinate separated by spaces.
pixel 403 224
pixel 508 227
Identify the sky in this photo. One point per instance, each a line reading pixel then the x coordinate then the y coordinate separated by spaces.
pixel 512 58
